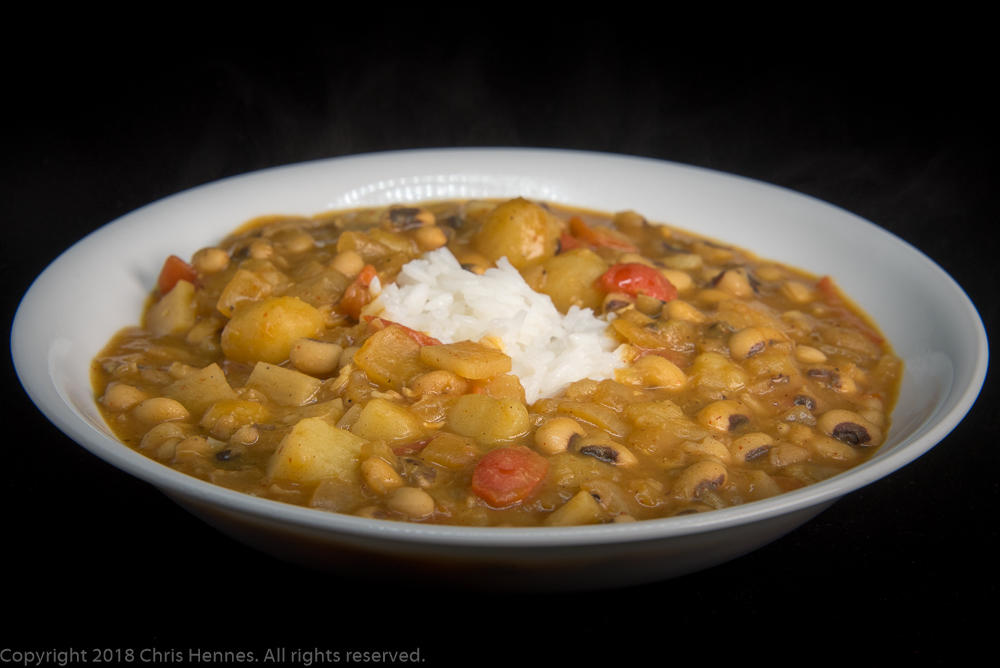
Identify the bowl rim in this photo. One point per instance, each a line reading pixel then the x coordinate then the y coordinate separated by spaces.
pixel 41 389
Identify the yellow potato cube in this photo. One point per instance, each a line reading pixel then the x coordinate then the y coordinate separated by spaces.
pixel 266 330
pixel 383 420
pixel 467 359
pixel 315 450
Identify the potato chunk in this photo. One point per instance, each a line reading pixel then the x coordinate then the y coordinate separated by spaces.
pixel 175 312
pixel 315 450
pixel 570 279
pixel 383 420
pixel 286 387
pixel 202 388
pixel 266 330
pixel 467 359
pixel 488 420
pixel 519 230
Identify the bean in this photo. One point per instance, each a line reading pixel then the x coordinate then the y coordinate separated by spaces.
pixel 210 260
pixel 751 446
pixel 380 476
pixel 349 263
pixel 160 409
pixel 699 478
pixel 430 237
pixel 809 355
pixel 747 342
pixel 723 415
pixel 412 502
pixel 556 434
pixel 120 397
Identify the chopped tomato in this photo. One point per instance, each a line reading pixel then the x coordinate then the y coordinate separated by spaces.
pixel 357 294
pixel 175 269
pixel 568 242
pixel 833 298
pixel 508 475
pixel 600 236
pixel 418 336
pixel 634 278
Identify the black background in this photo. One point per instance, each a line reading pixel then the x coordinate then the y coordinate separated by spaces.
pixel 892 121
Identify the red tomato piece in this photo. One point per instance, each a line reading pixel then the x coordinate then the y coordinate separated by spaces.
pixel 508 475
pixel 600 236
pixel 174 269
pixel 634 278
pixel 418 336
pixel 357 295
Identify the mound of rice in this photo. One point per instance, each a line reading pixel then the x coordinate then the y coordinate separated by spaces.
pixel 549 350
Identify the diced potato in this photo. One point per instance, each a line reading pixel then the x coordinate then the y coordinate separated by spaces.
pixel 467 359
pixel 266 330
pixel 199 390
pixel 384 420
pixel 488 420
pixel 596 414
pixel 286 387
pixel 519 230
pixel 244 286
pixel 391 358
pixel 582 508
pixel 570 279
pixel 174 313
pixel 313 450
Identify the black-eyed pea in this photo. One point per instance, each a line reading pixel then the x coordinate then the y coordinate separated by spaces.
pixel 809 355
pixel 752 446
pixel 830 448
pixel 785 454
pixel 797 291
pixel 260 249
pixel 679 309
pixel 631 221
pixel 210 260
pixel 246 435
pixel 654 371
pixel 849 427
pixel 439 381
pixel 678 278
pixel 747 342
pixel 316 358
pixel 725 415
pixel 557 434
pixel 162 438
pixel 430 237
pixel 348 262
pixel 735 281
pixel 606 450
pixel 295 241
pixel 875 416
pixel 380 476
pixel 412 502
pixel 700 478
pixel 616 301
pixel 410 217
pixel 684 261
pixel 120 397
pixel 160 409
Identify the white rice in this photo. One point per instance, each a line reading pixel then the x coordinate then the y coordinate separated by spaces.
pixel 435 295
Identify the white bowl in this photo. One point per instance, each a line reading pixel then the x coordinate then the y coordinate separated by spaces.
pixel 99 285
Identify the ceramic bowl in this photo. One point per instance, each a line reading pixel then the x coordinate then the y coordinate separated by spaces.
pixel 99 285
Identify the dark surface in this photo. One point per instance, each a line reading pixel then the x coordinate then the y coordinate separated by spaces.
pixel 899 133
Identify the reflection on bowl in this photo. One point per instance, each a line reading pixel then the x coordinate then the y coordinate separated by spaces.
pixel 942 343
